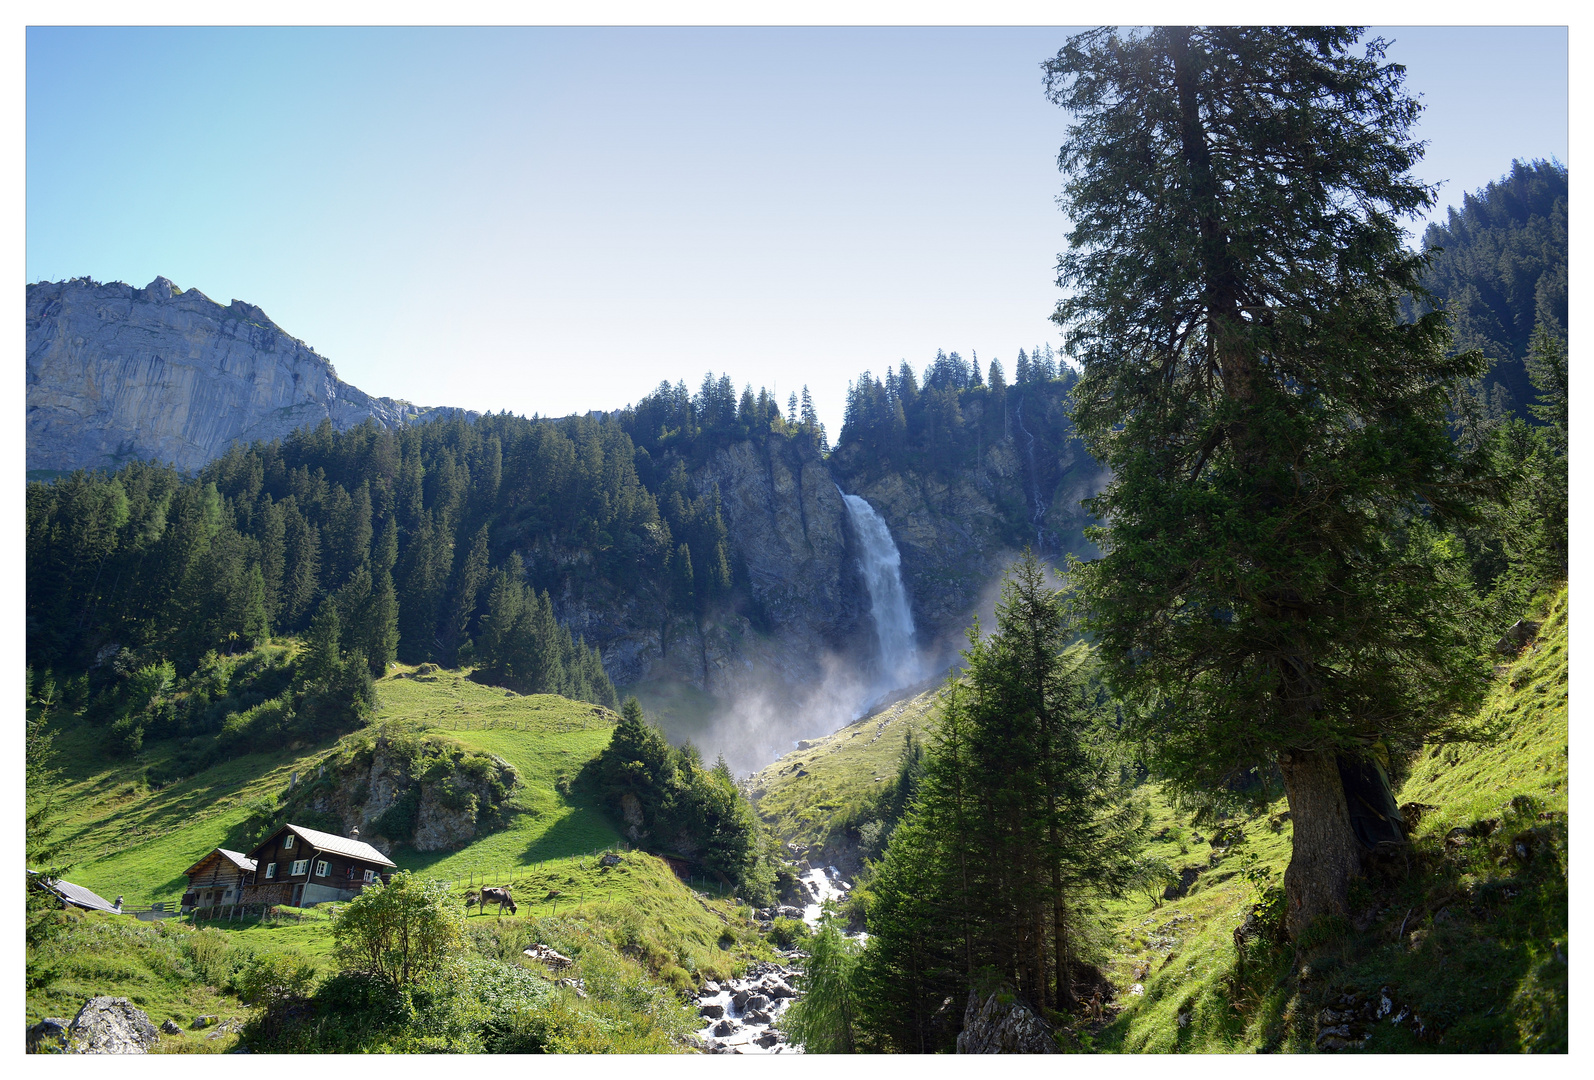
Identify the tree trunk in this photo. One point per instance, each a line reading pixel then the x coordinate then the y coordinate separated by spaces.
pixel 1325 854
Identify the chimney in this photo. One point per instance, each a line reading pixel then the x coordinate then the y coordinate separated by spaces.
pixel 355 834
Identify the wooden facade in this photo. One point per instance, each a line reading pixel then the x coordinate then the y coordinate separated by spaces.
pixel 218 879
pixel 301 867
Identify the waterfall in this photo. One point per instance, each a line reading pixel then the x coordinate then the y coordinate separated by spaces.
pixel 1038 516
pixel 888 600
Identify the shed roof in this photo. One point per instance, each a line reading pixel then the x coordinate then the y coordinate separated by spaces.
pixel 78 895
pixel 241 861
pixel 338 845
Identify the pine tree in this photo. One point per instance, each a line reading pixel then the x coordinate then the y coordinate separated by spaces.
pixel 1016 823
pixel 1270 591
pixel 321 658
pixel 822 1020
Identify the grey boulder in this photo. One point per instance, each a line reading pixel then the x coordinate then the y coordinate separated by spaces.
pixel 107 1025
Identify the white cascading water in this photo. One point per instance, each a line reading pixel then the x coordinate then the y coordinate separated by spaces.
pixel 882 575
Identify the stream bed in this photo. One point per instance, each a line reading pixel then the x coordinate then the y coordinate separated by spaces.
pixel 740 1016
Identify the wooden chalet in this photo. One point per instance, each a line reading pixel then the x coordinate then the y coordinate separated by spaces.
pixel 218 879
pixel 302 867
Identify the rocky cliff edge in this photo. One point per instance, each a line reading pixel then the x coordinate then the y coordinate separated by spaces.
pixel 116 373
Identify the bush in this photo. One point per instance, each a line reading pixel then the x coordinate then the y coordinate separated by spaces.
pixel 213 956
pixel 274 979
pixel 406 932
pixel 786 933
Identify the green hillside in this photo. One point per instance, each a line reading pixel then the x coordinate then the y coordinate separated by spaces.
pixel 634 928
pixel 125 839
pixel 1469 933
pixel 807 794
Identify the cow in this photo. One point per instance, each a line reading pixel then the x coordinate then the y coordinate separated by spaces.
pixel 501 897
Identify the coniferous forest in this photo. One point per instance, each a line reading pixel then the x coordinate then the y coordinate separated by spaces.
pixel 1315 614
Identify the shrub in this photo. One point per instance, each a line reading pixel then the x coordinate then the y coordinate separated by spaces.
pixel 788 932
pixel 213 956
pixel 274 979
pixel 405 932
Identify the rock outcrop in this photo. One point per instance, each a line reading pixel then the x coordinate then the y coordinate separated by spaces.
pixel 111 1025
pixel 1003 1025
pixel 411 790
pixel 116 373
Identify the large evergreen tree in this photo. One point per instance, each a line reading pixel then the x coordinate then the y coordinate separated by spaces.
pixel 1016 823
pixel 1270 592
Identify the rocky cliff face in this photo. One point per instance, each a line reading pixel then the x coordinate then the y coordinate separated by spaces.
pixel 116 373
pixel 789 530
pixel 958 529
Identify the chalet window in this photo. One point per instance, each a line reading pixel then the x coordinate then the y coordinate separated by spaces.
pixel 299 867
pixel 370 876
pixel 271 870
pixel 287 843
pixel 351 873
pixel 321 868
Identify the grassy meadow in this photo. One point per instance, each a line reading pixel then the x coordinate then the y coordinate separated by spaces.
pixel 634 925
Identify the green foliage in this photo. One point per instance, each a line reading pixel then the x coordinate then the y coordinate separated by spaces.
pixel 1498 269
pixel 1518 544
pixel 672 803
pixel 1274 578
pixel 405 932
pixel 522 646
pixel 1019 821
pixel 273 980
pixel 823 1020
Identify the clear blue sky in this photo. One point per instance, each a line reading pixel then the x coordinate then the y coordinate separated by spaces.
pixel 552 220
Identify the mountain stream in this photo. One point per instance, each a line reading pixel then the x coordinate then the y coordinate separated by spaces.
pixel 739 1016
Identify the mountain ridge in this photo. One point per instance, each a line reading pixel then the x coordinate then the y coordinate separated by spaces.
pixel 116 373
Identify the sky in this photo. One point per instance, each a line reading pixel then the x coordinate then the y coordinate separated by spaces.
pixel 551 220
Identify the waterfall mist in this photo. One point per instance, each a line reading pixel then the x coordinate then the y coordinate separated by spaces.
pixel 768 712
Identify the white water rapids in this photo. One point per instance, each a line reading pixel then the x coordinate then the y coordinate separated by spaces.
pixel 881 563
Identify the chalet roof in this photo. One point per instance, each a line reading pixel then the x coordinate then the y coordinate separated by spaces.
pixel 241 861
pixel 78 895
pixel 237 858
pixel 339 845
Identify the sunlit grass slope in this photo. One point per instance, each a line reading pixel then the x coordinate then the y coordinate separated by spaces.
pixel 804 794
pixel 124 839
pixel 1468 934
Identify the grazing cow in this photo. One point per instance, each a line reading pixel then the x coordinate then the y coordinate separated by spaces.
pixel 497 896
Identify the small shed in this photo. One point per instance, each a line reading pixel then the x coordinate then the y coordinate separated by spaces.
pixel 303 867
pixel 76 895
pixel 218 879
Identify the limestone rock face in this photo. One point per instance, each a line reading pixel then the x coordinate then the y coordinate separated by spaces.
pixel 788 527
pixel 116 373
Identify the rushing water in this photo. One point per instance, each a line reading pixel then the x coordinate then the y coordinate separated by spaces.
pixel 881 563
pixel 741 1016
